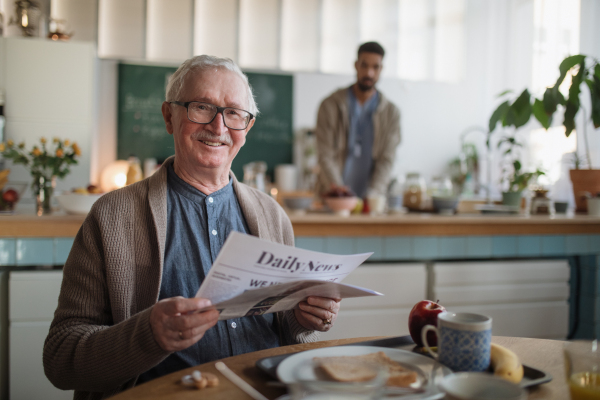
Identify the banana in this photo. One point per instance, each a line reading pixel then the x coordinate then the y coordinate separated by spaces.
pixel 506 364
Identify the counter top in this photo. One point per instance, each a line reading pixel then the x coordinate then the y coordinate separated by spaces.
pixel 322 224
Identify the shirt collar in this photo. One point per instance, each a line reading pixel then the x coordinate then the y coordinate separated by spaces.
pixel 185 189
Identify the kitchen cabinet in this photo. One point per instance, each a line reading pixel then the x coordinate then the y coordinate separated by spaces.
pixel 403 284
pixel 525 298
pixel 33 297
pixel 50 92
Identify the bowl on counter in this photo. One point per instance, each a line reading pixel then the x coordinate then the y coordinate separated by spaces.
pixel 341 205
pixel 76 203
pixel 298 205
pixel 445 205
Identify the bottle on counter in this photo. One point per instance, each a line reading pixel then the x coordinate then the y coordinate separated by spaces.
pixel 134 172
pixel 415 192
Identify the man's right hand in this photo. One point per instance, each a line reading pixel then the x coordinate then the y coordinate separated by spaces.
pixel 176 324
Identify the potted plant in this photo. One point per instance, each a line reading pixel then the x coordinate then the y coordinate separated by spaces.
pixel 517 179
pixel 517 113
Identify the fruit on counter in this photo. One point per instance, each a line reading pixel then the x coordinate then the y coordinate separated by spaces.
pixel 10 196
pixel 359 207
pixel 424 313
pixel 339 191
pixel 506 364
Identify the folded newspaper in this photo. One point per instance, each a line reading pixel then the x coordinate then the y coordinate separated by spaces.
pixel 252 276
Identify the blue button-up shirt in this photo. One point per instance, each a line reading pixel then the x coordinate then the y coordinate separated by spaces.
pixel 359 159
pixel 197 227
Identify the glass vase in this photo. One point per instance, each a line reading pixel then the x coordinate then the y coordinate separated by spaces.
pixel 43 187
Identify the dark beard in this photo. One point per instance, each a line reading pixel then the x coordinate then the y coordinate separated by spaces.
pixel 364 87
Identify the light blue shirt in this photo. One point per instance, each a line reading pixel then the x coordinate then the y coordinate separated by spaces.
pixel 359 159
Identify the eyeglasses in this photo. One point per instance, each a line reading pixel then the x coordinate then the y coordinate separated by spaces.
pixel 205 113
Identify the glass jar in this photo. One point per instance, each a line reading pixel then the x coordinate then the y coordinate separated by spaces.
pixel 441 186
pixel 395 196
pixel 415 191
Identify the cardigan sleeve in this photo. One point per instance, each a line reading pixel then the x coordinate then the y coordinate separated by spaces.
pixel 84 349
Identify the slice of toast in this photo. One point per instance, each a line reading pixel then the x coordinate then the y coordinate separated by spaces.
pixel 356 369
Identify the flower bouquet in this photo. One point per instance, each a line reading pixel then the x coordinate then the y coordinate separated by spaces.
pixel 45 162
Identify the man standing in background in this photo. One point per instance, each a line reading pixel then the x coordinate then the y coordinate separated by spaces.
pixel 358 131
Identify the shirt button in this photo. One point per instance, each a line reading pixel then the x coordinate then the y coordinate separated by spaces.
pixel 210 199
pixel 233 325
pixel 214 232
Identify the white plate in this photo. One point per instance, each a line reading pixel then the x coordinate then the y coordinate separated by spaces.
pixel 433 370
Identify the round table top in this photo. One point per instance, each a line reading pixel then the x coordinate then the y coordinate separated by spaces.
pixel 541 354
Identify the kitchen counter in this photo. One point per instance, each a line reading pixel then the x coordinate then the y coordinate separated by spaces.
pixel 322 224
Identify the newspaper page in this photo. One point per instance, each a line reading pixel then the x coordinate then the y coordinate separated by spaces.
pixel 252 276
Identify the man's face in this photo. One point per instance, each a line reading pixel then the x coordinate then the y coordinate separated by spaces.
pixel 207 146
pixel 368 67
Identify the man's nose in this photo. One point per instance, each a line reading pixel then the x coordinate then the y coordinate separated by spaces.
pixel 218 122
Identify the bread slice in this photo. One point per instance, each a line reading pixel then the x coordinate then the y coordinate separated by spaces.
pixel 356 369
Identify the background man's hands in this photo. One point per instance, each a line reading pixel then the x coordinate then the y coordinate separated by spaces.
pixel 316 312
pixel 175 324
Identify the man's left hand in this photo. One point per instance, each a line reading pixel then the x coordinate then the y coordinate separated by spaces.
pixel 317 313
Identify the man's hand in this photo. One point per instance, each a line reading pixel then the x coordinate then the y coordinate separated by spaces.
pixel 176 324
pixel 317 313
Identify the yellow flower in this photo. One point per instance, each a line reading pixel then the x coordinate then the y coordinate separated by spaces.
pixel 76 149
pixel 59 153
pixel 10 143
pixel 36 152
pixel 2 147
pixel 22 145
pixel 56 140
pixel 67 142
pixel 43 140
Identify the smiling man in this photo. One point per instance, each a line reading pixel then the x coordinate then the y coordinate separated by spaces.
pixel 127 312
pixel 358 131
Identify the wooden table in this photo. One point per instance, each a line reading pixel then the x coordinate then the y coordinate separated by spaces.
pixel 538 353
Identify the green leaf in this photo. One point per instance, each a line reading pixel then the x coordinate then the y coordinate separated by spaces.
pixel 498 115
pixel 505 92
pixel 522 109
pixel 594 86
pixel 597 71
pixel 572 106
pixel 517 165
pixel 569 63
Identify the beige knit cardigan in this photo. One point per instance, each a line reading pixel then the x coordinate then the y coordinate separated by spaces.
pixel 331 132
pixel 100 340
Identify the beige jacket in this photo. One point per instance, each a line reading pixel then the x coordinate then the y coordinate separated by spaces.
pixel 332 129
pixel 100 340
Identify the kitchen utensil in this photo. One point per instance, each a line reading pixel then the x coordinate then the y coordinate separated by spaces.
pixel 74 203
pixel 480 386
pixel 426 366
pixel 298 205
pixel 341 205
pixel 445 205
pixel 239 382
pixel 464 341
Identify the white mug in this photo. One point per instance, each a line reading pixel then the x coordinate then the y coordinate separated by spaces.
pixel 464 341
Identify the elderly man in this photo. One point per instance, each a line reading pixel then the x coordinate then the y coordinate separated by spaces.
pixel 358 131
pixel 127 311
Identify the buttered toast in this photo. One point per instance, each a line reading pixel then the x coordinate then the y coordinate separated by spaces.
pixel 356 369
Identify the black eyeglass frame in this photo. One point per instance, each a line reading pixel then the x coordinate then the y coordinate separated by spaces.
pixel 219 111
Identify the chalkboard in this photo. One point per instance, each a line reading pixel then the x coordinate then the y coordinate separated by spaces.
pixel 141 129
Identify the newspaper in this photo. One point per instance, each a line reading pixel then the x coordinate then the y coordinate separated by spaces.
pixel 252 276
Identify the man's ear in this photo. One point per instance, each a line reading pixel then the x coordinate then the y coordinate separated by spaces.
pixel 250 125
pixel 167 116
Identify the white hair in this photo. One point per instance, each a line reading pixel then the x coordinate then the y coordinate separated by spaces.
pixel 199 64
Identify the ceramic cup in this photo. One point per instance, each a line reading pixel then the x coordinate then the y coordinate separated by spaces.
pixel 464 341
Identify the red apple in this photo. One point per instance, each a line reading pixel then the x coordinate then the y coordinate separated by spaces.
pixel 424 313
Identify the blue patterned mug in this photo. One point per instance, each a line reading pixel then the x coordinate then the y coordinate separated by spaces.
pixel 464 341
